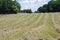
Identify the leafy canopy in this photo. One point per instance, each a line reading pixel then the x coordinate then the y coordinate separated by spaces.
pixel 52 6
pixel 9 6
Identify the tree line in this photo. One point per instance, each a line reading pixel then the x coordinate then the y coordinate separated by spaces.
pixel 9 6
pixel 26 11
pixel 12 6
pixel 52 6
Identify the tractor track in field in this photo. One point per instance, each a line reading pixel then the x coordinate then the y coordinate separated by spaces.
pixel 6 31
pixel 58 18
pixel 12 21
pixel 5 28
pixel 33 31
pixel 36 30
pixel 30 26
pixel 14 30
pixel 42 26
pixel 55 25
pixel 18 29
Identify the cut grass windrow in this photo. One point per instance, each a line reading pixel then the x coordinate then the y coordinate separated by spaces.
pixel 29 26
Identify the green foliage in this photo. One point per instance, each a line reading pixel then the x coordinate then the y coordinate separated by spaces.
pixel 26 11
pixel 43 9
pixel 36 12
pixel 52 6
pixel 9 6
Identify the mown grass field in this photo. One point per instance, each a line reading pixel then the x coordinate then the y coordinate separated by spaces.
pixel 39 26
